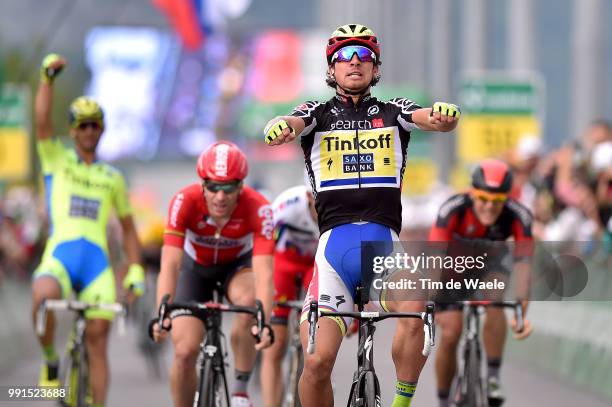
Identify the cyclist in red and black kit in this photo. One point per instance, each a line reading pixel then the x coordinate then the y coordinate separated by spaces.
pixel 487 214
pixel 219 231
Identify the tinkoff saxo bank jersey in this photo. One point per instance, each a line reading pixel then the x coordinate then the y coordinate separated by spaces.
pixel 355 156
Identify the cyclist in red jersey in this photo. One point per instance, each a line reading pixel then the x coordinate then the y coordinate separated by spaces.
pixel 485 213
pixel 296 237
pixel 217 233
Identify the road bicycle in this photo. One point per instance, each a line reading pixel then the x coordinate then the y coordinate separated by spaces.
pixel 295 354
pixel 212 388
pixel 365 389
pixel 74 368
pixel 470 389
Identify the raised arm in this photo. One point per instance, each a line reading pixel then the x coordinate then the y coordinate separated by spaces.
pixel 50 68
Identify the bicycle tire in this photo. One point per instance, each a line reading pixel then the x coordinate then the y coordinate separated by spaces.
pixel 473 397
pixel 220 390
pixel 212 389
pixel 83 377
pixel 367 392
pixel 69 377
pixel 296 366
pixel 68 380
pixel 461 387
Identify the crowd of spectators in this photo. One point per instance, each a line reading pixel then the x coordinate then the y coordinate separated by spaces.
pixel 22 232
pixel 568 190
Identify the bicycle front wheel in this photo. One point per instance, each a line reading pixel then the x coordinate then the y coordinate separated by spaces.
pixel 74 377
pixel 469 385
pixel 368 392
pixel 296 365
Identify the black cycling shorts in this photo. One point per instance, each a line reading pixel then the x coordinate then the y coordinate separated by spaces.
pixel 197 282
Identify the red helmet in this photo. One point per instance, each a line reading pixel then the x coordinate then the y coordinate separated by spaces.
pixel 222 162
pixel 352 34
pixel 492 176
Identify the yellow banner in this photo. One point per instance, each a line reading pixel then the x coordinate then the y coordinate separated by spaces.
pixel 487 136
pixel 419 176
pixel 14 154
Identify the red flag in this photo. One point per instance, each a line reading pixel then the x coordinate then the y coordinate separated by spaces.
pixel 183 18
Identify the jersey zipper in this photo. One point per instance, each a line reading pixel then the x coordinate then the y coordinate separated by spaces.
pixel 217 237
pixel 358 151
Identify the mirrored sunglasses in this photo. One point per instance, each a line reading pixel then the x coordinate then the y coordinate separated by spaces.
pixel 346 54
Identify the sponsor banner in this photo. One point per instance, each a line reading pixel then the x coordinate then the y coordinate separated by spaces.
pixel 497 110
pixel 15 147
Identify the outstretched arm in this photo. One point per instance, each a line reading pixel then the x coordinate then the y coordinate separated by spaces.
pixel 50 68
pixel 441 117
pixel 283 129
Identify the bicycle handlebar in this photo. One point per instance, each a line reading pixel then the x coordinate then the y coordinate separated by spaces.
pixel 198 310
pixel 427 317
pixel 78 306
pixel 517 306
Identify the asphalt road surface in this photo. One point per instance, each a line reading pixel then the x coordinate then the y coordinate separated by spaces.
pixel 134 385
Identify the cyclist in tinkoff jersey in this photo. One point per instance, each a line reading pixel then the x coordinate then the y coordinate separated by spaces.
pixel 355 153
pixel 80 193
pixel 296 237
pixel 485 214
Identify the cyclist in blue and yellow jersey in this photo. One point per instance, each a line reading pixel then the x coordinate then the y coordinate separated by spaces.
pixel 355 153
pixel 80 193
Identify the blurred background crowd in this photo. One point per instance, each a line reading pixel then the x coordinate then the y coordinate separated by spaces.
pixel 173 76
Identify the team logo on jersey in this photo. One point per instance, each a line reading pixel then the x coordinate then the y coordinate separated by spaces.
pixel 372 110
pixel 377 123
pixel 201 224
pixel 351 125
pixel 176 207
pixel 370 158
pixel 358 162
pixel 335 111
